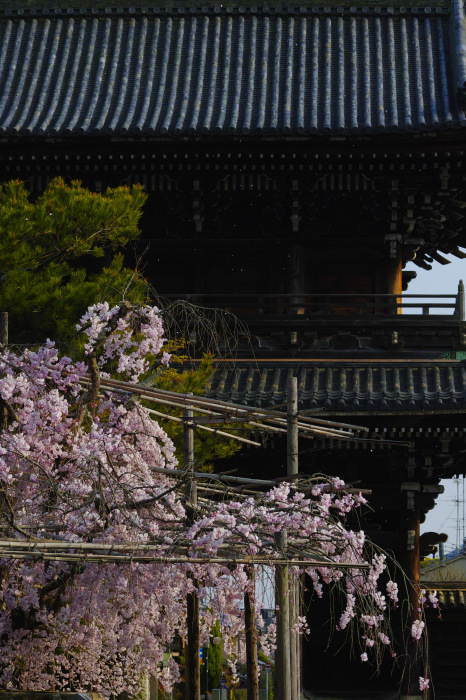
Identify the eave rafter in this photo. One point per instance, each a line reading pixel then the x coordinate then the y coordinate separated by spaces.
pixel 410 201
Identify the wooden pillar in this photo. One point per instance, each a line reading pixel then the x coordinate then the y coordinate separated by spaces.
pixel 411 563
pixel 295 689
pixel 154 688
pixel 252 671
pixel 192 666
pixel 192 656
pixel 292 462
pixel 394 278
pixel 461 302
pixel 295 279
pixel 411 528
pixel 282 654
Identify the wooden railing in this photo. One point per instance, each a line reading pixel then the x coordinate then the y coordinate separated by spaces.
pixel 318 306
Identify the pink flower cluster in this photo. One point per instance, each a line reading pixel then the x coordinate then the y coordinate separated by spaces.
pixel 417 629
pixel 131 351
pixel 423 683
pixel 431 597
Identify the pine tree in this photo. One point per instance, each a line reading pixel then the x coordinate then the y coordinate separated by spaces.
pixel 62 252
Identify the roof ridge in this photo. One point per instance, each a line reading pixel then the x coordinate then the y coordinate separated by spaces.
pixel 123 7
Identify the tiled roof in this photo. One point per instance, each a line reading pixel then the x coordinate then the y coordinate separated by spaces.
pixel 298 70
pixel 452 599
pixel 452 595
pixel 345 386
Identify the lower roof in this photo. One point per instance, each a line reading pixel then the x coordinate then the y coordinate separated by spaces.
pixel 346 386
pixel 451 594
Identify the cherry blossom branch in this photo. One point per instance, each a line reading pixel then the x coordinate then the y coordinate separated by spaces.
pixel 87 460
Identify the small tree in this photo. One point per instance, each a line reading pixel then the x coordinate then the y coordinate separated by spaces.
pixel 264 672
pixel 215 656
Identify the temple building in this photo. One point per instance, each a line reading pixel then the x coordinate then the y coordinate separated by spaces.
pixel 297 157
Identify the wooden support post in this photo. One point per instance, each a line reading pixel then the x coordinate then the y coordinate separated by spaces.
pixel 295 275
pixel 411 563
pixel 295 642
pixel 393 282
pixel 252 672
pixel 293 468
pixel 461 302
pixel 292 427
pixel 192 658
pixel 154 688
pixel 188 458
pixel 192 665
pixel 282 654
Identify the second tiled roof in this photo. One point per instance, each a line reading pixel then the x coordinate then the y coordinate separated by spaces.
pixel 346 386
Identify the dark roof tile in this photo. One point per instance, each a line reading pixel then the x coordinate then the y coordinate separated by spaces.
pixel 346 386
pixel 451 595
pixel 182 73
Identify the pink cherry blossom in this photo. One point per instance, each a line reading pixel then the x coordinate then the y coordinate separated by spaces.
pixel 85 465
pixel 423 683
pixel 392 591
pixel 416 629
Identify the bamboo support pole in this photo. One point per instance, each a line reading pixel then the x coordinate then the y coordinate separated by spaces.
pixel 176 473
pixel 292 470
pixel 192 668
pixel 295 641
pixel 194 424
pixel 271 420
pixel 90 558
pixel 292 427
pixel 307 425
pixel 201 401
pixel 122 553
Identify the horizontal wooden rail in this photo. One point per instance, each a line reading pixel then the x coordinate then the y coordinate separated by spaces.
pixel 285 305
